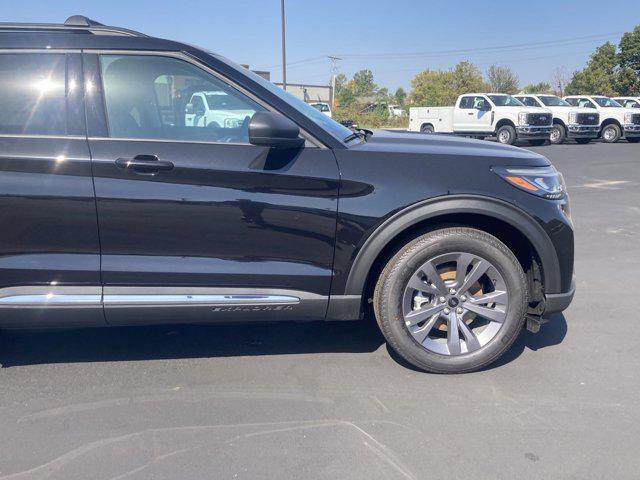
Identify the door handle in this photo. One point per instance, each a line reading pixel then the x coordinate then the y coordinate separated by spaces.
pixel 144 164
pixel 470 113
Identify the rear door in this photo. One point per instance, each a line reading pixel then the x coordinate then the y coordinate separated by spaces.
pixel 49 249
pixel 194 217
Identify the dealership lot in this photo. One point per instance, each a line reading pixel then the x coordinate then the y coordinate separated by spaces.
pixel 328 400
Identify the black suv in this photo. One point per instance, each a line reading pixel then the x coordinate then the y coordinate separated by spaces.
pixel 148 181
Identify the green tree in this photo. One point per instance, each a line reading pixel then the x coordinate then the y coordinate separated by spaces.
pixel 629 55
pixel 467 78
pixel 599 76
pixel 432 88
pixel 540 87
pixel 362 83
pixel 502 79
pixel 400 97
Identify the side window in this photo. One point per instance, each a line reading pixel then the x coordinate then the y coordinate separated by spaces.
pixel 466 102
pixel 148 97
pixel 572 101
pixel 33 94
pixel 586 103
pixel 632 104
pixel 529 101
pixel 479 102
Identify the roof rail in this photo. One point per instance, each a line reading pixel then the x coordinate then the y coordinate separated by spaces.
pixel 75 23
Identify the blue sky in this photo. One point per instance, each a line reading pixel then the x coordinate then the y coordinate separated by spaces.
pixel 406 36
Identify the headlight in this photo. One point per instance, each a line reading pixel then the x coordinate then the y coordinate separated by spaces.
pixel 545 182
pixel 522 118
pixel 628 117
pixel 573 117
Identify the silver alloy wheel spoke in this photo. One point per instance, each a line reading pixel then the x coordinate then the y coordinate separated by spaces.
pixel 462 265
pixel 479 269
pixel 424 332
pixel 434 277
pixel 417 316
pixel 470 339
pixel 488 313
pixel 453 335
pixel 417 283
pixel 497 296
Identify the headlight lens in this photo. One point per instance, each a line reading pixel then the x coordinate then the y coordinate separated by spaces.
pixel 628 117
pixel 545 182
pixel 522 118
pixel 573 117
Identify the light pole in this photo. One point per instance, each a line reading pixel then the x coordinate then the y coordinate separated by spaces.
pixel 284 49
pixel 334 71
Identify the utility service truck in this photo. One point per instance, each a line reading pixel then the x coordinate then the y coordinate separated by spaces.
pixel 483 115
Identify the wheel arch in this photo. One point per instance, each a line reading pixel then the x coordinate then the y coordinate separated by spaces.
pixel 610 121
pixel 559 121
pixel 508 223
pixel 505 121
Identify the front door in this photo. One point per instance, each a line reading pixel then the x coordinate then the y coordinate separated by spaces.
pixel 471 116
pixel 194 217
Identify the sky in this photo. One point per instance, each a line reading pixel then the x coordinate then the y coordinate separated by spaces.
pixel 394 38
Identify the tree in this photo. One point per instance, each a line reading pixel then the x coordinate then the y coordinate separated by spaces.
pixel 432 88
pixel 540 87
pixel 559 79
pixel 363 85
pixel 502 79
pixel 467 78
pixel 629 55
pixel 400 97
pixel 599 76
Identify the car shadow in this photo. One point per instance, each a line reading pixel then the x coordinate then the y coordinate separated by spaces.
pixel 29 347
pixel 32 347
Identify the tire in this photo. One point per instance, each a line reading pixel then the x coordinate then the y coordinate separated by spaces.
pixel 426 129
pixel 583 141
pixel 558 134
pixel 633 139
pixel 610 133
pixel 538 142
pixel 506 135
pixel 392 289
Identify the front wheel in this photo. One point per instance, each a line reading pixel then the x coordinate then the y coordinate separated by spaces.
pixel 558 134
pixel 611 133
pixel 583 141
pixel 452 300
pixel 506 135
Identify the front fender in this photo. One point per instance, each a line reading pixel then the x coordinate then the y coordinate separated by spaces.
pixel 441 207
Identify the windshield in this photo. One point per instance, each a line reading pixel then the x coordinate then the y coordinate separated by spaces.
pixel 322 107
pixel 553 101
pixel 505 101
pixel 606 102
pixel 331 126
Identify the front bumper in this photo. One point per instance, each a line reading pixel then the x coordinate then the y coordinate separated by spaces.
pixel 557 302
pixel 631 129
pixel 533 132
pixel 583 131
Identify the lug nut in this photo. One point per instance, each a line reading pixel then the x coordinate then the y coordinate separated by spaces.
pixel 463 298
pixel 452 291
pixel 447 311
pixel 442 299
pixel 459 310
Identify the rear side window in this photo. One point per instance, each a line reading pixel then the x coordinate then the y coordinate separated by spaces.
pixel 33 94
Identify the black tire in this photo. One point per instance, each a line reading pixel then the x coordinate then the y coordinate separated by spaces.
pixel 610 133
pixel 506 135
pixel 583 141
pixel 561 134
pixel 426 129
pixel 389 291
pixel 537 143
pixel 633 139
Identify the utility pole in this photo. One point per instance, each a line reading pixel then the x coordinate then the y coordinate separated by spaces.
pixel 284 49
pixel 334 72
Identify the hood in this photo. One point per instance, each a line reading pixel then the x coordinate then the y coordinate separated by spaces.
pixel 437 144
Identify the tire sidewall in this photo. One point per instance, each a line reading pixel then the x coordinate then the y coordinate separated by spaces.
pixel 562 134
pixel 613 127
pixel 426 129
pixel 393 292
pixel 512 134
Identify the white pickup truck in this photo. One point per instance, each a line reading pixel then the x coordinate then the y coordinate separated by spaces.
pixel 580 124
pixel 616 121
pixel 483 115
pixel 215 109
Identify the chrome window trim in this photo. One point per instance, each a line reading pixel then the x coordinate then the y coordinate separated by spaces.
pixel 193 61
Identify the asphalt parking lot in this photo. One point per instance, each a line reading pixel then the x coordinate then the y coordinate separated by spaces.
pixel 329 401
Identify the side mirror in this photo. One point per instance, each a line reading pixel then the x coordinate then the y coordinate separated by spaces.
pixel 268 129
pixel 188 109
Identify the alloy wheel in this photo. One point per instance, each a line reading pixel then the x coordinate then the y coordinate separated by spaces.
pixel 455 303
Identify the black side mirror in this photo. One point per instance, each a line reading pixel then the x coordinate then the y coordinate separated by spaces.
pixel 268 129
